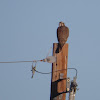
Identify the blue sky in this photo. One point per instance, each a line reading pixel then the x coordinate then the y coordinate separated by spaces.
pixel 28 30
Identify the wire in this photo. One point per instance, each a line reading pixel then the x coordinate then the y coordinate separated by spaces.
pixel 42 72
pixel 49 52
pixel 21 61
pixel 55 71
pixel 35 69
pixel 75 70
pixel 48 72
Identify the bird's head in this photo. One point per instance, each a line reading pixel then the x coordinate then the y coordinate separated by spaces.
pixel 61 24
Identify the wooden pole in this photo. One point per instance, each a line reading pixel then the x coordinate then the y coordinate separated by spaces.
pixel 59 73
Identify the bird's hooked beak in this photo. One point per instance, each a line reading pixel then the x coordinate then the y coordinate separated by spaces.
pixel 60 24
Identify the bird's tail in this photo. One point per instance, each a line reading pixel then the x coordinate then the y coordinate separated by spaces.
pixel 60 47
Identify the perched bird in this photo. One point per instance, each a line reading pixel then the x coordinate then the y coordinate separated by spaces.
pixel 62 34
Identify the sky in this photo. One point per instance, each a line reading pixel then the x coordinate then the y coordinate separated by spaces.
pixel 28 31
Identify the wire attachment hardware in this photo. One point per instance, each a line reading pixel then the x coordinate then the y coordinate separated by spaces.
pixel 33 70
pixel 50 59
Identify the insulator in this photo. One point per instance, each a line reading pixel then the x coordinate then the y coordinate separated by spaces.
pixel 51 59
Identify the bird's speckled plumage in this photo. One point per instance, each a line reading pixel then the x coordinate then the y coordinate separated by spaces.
pixel 62 34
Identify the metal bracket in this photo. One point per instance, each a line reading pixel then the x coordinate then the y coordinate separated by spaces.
pixel 60 97
pixel 55 98
pixel 68 84
pixel 61 76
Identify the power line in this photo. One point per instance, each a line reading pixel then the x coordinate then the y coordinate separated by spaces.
pixel 16 62
pixel 54 71
pixel 75 70
pixel 49 59
pixel 21 61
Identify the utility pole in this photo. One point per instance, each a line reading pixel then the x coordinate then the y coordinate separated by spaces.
pixel 59 73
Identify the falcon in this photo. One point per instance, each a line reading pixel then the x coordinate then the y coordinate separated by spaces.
pixel 62 34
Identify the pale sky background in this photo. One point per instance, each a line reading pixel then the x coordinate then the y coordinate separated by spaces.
pixel 28 30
